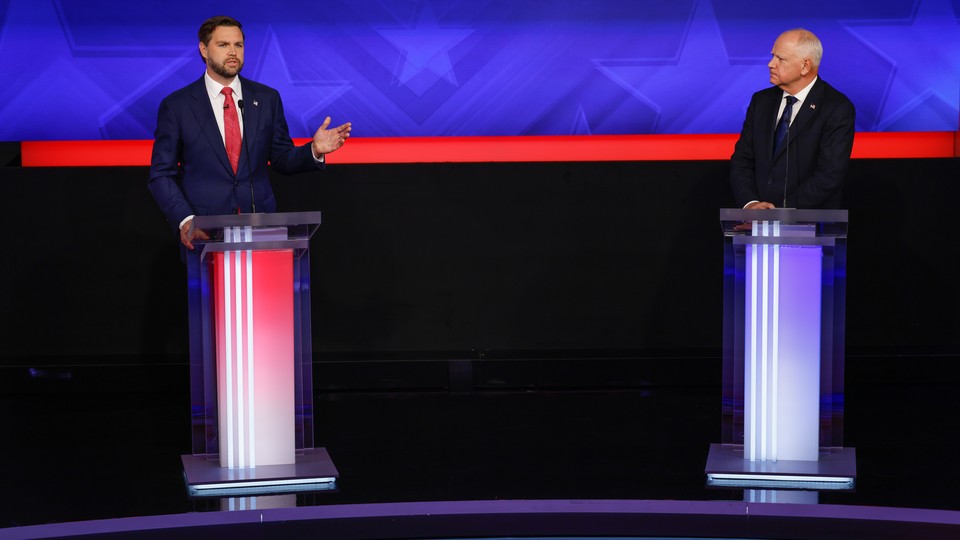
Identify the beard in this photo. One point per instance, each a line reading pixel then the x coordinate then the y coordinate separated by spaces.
pixel 223 70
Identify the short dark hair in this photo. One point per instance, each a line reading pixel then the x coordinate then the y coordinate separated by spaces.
pixel 206 29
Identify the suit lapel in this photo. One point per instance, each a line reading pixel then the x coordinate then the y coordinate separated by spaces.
pixel 251 122
pixel 769 120
pixel 203 113
pixel 808 110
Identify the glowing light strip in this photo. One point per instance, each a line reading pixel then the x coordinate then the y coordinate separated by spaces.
pixel 753 346
pixel 238 350
pixel 240 503
pixel 228 351
pixel 248 236
pixel 761 495
pixel 782 478
pixel 765 266
pixel 775 359
pixel 765 352
pixel 265 483
pixel 238 307
pixel 136 153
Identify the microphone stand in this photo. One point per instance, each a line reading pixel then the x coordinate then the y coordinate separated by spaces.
pixel 786 172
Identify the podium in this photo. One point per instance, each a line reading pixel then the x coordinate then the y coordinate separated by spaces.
pixel 251 359
pixel 783 351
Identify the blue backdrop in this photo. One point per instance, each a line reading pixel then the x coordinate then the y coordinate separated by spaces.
pixel 97 69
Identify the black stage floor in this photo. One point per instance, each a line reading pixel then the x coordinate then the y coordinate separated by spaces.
pixel 96 441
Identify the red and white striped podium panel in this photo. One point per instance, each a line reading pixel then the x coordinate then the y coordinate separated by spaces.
pixel 251 358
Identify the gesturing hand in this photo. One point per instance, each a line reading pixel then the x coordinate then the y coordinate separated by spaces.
pixel 327 140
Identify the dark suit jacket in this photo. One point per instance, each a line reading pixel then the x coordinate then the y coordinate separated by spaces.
pixel 190 172
pixel 819 145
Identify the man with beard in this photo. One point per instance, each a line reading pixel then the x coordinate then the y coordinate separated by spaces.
pixel 795 145
pixel 215 137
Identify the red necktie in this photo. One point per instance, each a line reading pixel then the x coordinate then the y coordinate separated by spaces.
pixel 231 128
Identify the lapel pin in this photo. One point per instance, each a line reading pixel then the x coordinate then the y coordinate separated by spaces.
pixel 812 105
pixel 255 104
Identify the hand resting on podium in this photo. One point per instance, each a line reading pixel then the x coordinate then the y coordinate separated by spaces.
pixel 755 205
pixel 188 234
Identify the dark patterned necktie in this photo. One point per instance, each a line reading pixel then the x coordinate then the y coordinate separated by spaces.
pixel 783 126
pixel 231 128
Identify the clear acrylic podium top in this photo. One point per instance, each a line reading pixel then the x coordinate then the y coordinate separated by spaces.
pixel 823 223
pixel 286 230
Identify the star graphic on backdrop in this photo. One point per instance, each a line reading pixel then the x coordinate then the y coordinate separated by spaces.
pixel 664 83
pixel 305 106
pixel 581 126
pixel 424 48
pixel 57 65
pixel 123 107
pixel 930 38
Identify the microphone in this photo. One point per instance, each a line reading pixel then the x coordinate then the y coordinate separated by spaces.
pixel 246 150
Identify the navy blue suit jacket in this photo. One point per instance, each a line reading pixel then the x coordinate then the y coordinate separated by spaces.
pixel 189 171
pixel 819 146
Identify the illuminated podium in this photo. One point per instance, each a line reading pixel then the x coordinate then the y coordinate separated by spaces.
pixel 250 357
pixel 783 351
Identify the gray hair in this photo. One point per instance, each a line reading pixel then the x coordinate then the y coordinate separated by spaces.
pixel 809 45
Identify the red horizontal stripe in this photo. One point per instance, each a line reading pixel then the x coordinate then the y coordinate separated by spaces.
pixel 504 149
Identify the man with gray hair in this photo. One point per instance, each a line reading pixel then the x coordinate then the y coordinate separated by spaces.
pixel 796 140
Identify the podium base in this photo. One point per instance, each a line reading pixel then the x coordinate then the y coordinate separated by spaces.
pixel 313 471
pixel 835 470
